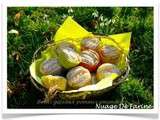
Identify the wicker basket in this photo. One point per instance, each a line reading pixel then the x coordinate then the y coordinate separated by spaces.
pixel 79 94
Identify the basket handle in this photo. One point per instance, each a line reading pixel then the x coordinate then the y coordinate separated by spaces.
pixel 109 38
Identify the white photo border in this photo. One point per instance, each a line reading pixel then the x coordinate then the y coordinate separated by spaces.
pixel 73 3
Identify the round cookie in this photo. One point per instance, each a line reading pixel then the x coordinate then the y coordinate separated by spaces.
pixel 78 77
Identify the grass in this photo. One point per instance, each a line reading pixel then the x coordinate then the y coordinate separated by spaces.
pixel 36 26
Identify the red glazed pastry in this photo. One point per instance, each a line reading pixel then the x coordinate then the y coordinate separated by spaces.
pixel 90 60
pixel 90 43
pixel 109 54
pixel 78 77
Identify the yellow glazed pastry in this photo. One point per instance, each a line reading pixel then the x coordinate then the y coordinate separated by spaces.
pixel 58 82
